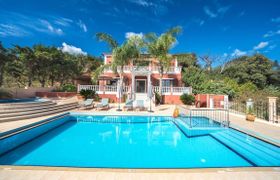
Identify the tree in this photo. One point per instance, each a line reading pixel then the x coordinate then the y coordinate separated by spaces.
pixel 26 55
pixel 43 63
pixel 122 54
pixel 208 61
pixel 4 58
pixel 195 77
pixel 159 47
pixel 255 69
pixel 187 60
pixel 274 78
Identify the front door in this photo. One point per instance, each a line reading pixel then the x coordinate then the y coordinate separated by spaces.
pixel 140 85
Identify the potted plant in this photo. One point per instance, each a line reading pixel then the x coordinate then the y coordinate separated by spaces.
pixel 250 116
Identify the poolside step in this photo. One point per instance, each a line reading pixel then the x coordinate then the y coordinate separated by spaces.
pixel 256 153
pixel 26 109
pixel 7 106
pixel 269 148
pixel 37 113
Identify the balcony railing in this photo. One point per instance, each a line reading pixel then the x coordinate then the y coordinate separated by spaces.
pixel 146 69
pixel 113 89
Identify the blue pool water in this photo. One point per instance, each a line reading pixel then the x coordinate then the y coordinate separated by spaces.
pixel 21 100
pixel 127 142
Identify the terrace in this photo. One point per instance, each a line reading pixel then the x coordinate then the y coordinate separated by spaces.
pixel 107 89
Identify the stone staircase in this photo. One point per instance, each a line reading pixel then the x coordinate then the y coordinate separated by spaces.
pixel 27 110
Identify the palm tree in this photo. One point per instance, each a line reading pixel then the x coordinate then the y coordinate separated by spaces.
pixel 159 46
pixel 122 54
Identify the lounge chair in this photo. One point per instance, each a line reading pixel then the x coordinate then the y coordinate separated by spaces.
pixel 104 104
pixel 140 105
pixel 87 104
pixel 128 105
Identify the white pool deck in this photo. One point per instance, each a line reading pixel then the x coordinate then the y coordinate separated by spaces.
pixel 258 128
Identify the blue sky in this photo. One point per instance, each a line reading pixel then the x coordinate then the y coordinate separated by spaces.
pixel 216 27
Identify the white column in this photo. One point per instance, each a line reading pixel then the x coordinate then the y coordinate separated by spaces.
pixel 226 103
pixel 272 109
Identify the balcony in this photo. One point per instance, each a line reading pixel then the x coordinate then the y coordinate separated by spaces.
pixel 113 89
pixel 147 69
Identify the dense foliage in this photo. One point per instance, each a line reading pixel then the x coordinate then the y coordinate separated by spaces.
pixel 42 66
pixel 4 94
pixel 88 94
pixel 248 76
pixel 187 99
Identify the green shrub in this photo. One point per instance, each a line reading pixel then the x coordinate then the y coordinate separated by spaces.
pixel 187 99
pixel 88 94
pixel 4 94
pixel 69 88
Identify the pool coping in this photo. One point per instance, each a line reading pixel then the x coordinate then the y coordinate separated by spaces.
pixel 143 170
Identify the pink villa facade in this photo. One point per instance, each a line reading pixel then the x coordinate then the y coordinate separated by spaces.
pixel 137 80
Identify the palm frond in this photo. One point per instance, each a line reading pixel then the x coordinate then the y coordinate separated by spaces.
pixel 108 39
pixel 95 75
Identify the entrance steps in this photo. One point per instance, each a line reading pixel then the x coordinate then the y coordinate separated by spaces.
pixel 22 111
pixel 145 98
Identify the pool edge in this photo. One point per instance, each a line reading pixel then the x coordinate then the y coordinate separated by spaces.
pixel 144 170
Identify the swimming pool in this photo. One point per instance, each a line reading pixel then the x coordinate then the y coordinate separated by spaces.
pixel 133 142
pixel 22 100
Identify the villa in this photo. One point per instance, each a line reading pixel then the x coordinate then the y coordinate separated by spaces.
pixel 137 79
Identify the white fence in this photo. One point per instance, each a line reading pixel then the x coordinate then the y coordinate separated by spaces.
pixel 126 89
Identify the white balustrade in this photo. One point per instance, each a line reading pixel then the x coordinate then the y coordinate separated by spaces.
pixel 166 90
pixel 102 89
pixel 146 69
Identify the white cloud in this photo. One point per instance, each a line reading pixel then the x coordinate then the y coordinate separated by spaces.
pixel 219 11
pixel 131 34
pixel 238 52
pixel 82 26
pixel 71 49
pixel 50 28
pixel 223 10
pixel 144 3
pixel 271 47
pixel 201 22
pixel 12 30
pixel 271 33
pixel 276 19
pixel 209 12
pixel 261 45
pixel 63 21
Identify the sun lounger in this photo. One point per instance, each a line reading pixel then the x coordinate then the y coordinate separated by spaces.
pixel 87 104
pixel 128 105
pixel 104 104
pixel 140 105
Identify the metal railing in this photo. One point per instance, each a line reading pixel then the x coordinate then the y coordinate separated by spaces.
pixel 205 117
